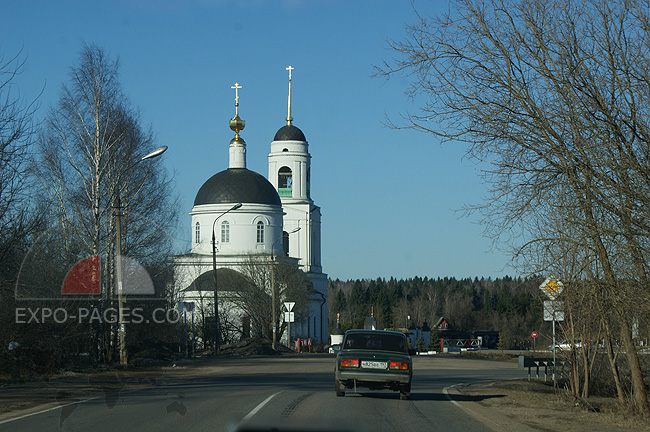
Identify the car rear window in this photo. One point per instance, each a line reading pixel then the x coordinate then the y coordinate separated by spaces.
pixel 377 341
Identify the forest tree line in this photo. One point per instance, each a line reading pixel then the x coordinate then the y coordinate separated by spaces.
pixel 511 306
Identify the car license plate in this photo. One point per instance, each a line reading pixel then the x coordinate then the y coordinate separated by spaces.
pixel 374 365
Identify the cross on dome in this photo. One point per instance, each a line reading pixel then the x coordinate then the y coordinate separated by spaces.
pixel 236 87
pixel 237 124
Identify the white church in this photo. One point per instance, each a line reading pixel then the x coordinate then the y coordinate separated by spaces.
pixel 249 215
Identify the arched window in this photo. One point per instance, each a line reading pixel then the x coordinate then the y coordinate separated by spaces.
pixel 260 232
pixel 197 233
pixel 225 232
pixel 285 181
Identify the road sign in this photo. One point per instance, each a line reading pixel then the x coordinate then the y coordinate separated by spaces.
pixel 534 334
pixel 553 310
pixel 289 317
pixel 289 305
pixel 551 288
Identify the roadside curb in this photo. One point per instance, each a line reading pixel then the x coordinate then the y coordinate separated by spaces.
pixel 488 416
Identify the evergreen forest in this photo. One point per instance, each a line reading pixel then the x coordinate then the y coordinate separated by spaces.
pixel 511 306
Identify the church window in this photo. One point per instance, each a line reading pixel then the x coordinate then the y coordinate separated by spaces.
pixel 285 181
pixel 225 232
pixel 197 233
pixel 260 232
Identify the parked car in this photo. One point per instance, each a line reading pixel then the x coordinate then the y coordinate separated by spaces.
pixel 373 359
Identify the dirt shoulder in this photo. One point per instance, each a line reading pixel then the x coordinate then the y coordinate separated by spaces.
pixel 535 406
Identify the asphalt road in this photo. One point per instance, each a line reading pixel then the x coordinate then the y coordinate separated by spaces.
pixel 293 392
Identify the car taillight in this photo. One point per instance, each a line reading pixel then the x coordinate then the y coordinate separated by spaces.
pixel 399 365
pixel 349 363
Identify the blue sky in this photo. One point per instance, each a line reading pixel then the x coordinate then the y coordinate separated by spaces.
pixel 388 197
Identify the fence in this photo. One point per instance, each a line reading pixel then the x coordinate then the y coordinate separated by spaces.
pixel 546 363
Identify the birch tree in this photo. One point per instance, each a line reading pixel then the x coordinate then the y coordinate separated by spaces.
pixel 88 158
pixel 88 164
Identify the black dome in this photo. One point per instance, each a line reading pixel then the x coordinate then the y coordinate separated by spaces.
pixel 237 185
pixel 289 133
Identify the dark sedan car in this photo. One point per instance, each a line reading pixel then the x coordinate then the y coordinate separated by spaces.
pixel 374 359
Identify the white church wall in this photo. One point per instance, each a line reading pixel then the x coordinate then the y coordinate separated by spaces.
pixel 305 244
pixel 242 227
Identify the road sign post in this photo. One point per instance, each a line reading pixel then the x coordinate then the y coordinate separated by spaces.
pixel 534 335
pixel 289 306
pixel 552 289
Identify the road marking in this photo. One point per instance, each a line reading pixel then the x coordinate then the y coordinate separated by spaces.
pixel 121 393
pixel 444 390
pixel 259 407
pixel 46 410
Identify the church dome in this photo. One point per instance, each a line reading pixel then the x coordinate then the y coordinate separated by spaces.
pixel 289 133
pixel 237 185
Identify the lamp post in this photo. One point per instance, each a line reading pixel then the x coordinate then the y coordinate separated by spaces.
pixel 118 259
pixel 273 305
pixel 214 276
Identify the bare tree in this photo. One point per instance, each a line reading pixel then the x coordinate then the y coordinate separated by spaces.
pixel 250 290
pixel 553 97
pixel 88 159
pixel 19 218
pixel 16 131
pixel 88 164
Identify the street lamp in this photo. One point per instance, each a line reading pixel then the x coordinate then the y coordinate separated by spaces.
pixel 214 276
pixel 275 314
pixel 118 260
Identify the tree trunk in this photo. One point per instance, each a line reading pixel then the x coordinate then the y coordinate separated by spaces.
pixel 614 368
pixel 587 372
pixel 639 393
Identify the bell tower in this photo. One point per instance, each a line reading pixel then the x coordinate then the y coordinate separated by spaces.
pixel 289 160
pixel 289 172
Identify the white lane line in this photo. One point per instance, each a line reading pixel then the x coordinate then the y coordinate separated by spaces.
pixel 444 390
pixel 259 407
pixel 46 410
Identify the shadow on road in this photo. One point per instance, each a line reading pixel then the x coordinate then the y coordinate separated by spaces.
pixel 425 396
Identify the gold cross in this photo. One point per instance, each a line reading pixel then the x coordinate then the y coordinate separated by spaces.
pixel 290 69
pixel 236 87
